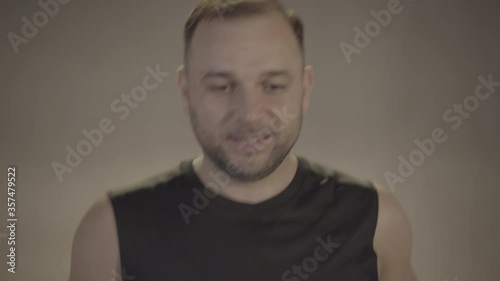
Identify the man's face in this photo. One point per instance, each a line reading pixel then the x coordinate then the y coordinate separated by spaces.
pixel 245 92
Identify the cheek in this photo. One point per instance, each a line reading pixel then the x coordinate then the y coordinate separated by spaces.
pixel 205 108
pixel 209 119
pixel 287 116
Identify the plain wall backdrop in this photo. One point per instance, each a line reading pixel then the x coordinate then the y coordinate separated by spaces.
pixel 363 116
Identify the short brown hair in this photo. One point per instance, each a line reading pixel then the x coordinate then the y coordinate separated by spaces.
pixel 230 9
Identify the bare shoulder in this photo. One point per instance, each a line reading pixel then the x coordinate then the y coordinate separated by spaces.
pixel 95 250
pixel 393 239
pixel 391 214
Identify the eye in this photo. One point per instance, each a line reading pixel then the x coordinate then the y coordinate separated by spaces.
pixel 273 88
pixel 226 88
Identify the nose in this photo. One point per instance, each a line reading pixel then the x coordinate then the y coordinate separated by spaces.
pixel 249 104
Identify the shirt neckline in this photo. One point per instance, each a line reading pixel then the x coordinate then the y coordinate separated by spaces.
pixel 275 201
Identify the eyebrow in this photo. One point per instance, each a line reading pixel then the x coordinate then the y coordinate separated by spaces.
pixel 274 73
pixel 216 74
pixel 229 75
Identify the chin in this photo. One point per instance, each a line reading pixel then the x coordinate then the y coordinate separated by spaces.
pixel 250 171
pixel 250 158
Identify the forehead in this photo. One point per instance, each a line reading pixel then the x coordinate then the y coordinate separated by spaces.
pixel 246 45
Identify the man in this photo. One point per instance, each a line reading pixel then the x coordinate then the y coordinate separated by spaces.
pixel 247 208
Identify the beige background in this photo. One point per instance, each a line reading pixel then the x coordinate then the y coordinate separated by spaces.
pixel 363 116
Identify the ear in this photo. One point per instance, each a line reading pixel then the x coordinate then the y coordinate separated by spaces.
pixel 308 81
pixel 183 88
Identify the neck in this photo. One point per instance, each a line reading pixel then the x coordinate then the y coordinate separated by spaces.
pixel 248 192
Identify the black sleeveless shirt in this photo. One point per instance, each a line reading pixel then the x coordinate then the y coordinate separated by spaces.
pixel 321 227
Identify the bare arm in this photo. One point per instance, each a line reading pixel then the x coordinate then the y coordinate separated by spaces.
pixel 95 252
pixel 393 239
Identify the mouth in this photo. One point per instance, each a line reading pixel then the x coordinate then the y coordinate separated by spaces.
pixel 251 140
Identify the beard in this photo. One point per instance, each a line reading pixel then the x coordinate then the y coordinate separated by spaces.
pixel 243 170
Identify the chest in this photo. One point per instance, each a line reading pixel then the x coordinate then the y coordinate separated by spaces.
pixel 281 250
